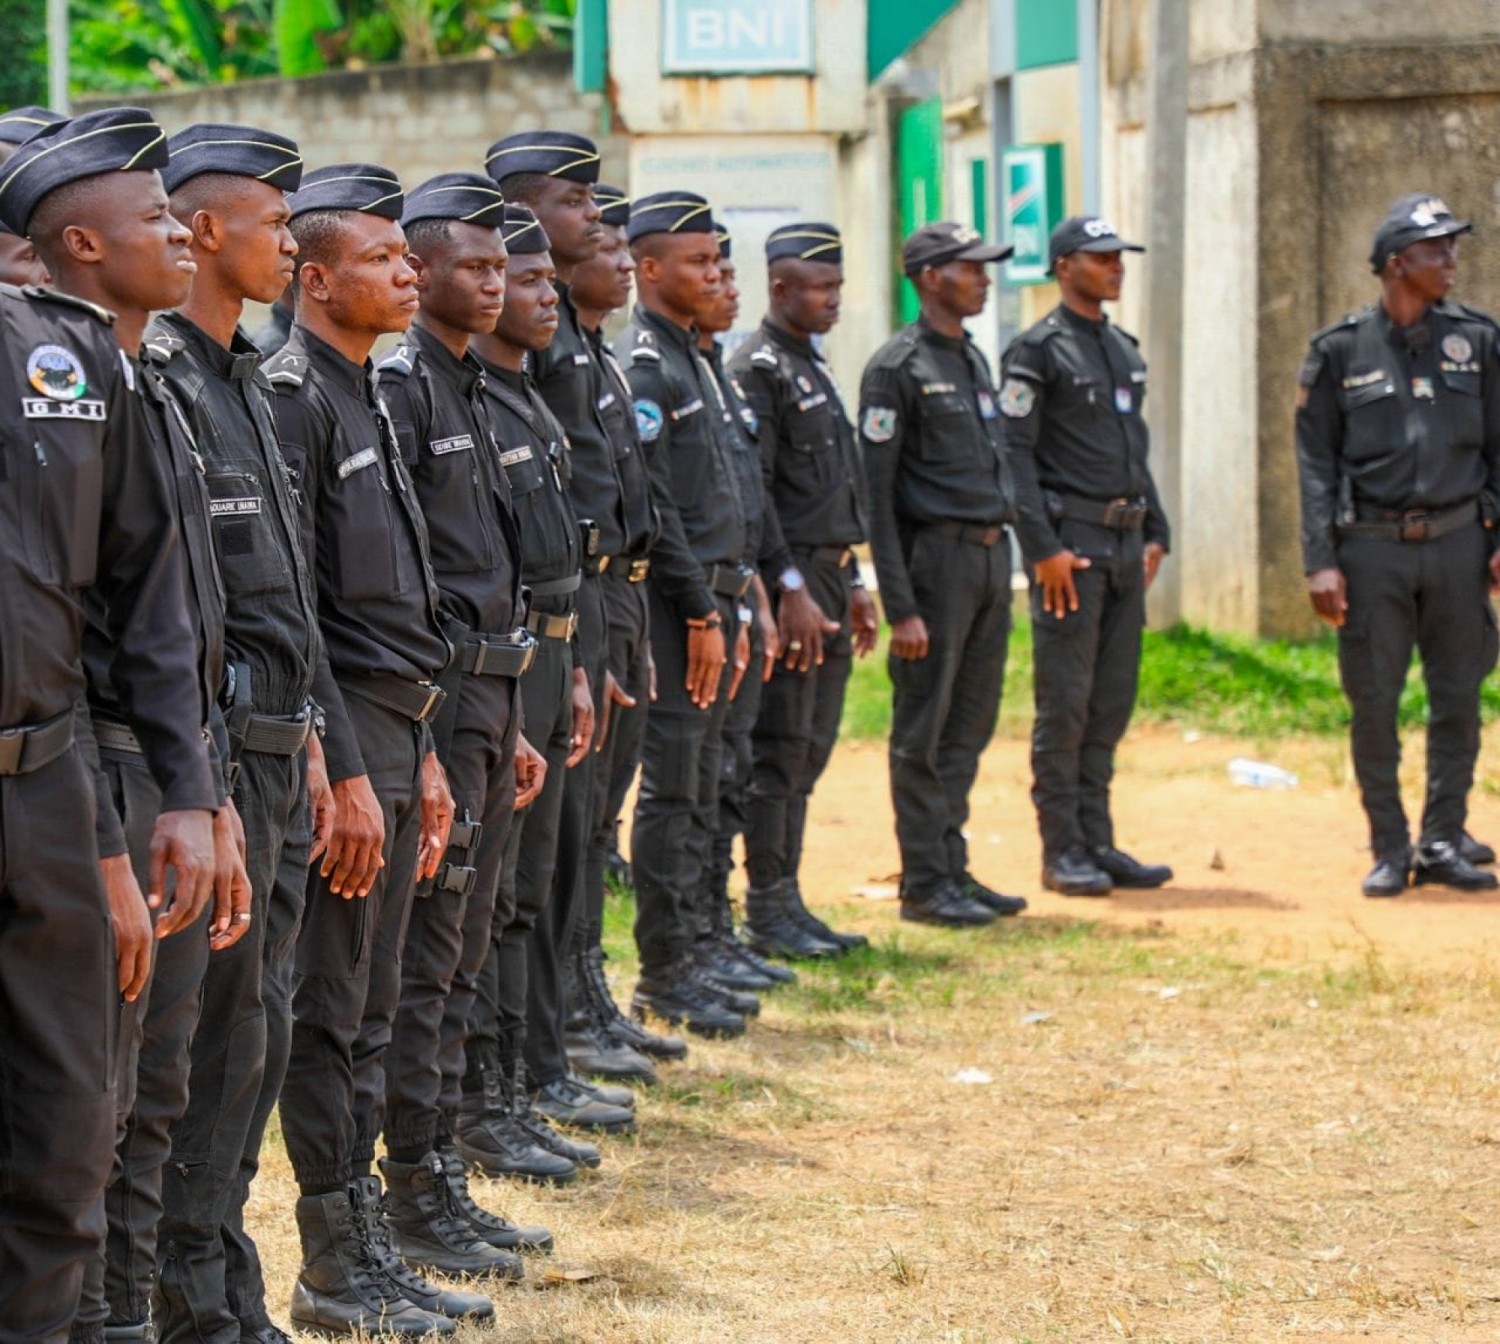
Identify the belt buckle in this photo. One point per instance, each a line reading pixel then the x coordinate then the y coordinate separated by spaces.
pixel 991 535
pixel 434 699
pixel 1415 528
pixel 571 623
pixel 1114 510
pixel 639 569
pixel 12 749
pixel 604 562
pixel 846 557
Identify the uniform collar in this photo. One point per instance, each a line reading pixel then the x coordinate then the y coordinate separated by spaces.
pixel 236 364
pixel 353 378
pixel 685 337
pixel 780 336
pixel 1081 323
pixel 518 382
pixel 462 373
pixel 938 338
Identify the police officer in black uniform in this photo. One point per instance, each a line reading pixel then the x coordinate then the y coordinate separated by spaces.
pixel 815 515
pixel 19 263
pixel 553 173
pixel 246 516
pixel 697 581
pixel 1398 448
pixel 722 958
pixel 364 536
pixel 87 515
pixel 597 1027
pixel 940 498
pixel 1092 528
pixel 434 388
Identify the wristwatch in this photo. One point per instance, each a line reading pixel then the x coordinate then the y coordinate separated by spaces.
pixel 791 580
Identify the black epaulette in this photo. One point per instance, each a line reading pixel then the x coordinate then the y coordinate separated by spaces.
pixel 645 347
pixel 1041 332
pixel 285 369
pixel 1348 320
pixel 766 357
pixel 402 359
pixel 161 346
pixel 72 301
pixel 1461 309
pixel 1128 335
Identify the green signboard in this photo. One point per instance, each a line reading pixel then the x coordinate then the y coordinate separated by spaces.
pixel 736 37
pixel 1031 178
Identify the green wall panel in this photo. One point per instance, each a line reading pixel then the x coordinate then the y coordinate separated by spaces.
pixel 1046 33
pixel 896 25
pixel 919 153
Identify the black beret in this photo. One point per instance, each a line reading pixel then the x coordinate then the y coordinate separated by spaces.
pixel 523 232
pixel 670 212
pixel 113 139
pixel 721 234
pixel 550 153
pixel 1413 218
pixel 365 187
pixel 241 151
pixel 806 242
pixel 470 198
pixel 614 205
pixel 21 123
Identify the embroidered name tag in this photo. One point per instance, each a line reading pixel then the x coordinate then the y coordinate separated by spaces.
pixel 234 508
pixel 606 401
pixel 513 457
pixel 45 408
pixel 366 457
pixel 1364 379
pixel 580 358
pixel 811 403
pixel 937 389
pixel 457 444
pixel 692 408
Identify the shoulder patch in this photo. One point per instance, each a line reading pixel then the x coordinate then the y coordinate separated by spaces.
pixel 1017 398
pixel 72 301
pixel 648 420
pixel 879 423
pixel 284 369
pixel 401 360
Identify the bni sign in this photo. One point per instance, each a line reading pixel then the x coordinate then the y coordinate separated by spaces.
pixel 1031 184
pixel 736 37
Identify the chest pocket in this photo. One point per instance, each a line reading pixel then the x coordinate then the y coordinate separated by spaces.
pixel 1374 418
pixel 1464 407
pixel 949 427
pixel 360 519
pixel 543 514
pixel 245 537
pixel 457 502
pixel 55 485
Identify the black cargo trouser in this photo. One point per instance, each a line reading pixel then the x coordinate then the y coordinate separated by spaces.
pixel 794 737
pixel 426 1056
pixel 1087 666
pixel 676 809
pixel 629 660
pixel 945 705
pixel 498 1011
pixel 1432 596
pixel 547 950
pixel 151 1077
pixel 348 975
pixel 59 999
pixel 205 1183
pixel 734 780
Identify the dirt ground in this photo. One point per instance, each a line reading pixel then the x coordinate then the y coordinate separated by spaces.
pixel 1250 1107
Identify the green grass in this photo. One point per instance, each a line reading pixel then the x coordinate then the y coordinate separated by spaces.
pixel 1232 684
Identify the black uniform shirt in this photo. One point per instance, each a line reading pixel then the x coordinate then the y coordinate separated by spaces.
pixel 746 458
pixel 689 438
pixel 442 425
pixel 1397 420
pixel 271 613
pixel 814 483
pixel 929 427
pixel 639 513
pixel 86 508
pixel 1071 407
pixel 361 527
pixel 570 381
pixel 533 452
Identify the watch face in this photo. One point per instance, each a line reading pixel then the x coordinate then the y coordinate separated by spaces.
pixel 791 581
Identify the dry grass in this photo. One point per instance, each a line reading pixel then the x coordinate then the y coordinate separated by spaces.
pixel 1177 1145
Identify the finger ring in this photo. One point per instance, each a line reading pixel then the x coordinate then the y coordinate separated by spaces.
pixel 794 645
pixel 243 917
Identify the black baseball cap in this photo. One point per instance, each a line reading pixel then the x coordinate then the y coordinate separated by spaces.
pixel 1414 217
pixel 937 244
pixel 1086 233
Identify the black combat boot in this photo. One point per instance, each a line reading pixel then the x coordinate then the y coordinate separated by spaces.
pixel 490 1138
pixel 678 998
pixel 429 1231
pixel 719 962
pixel 797 908
pixel 496 1229
pixel 593 1052
pixel 429 1297
pixel 606 1012
pixel 342 1288
pixel 772 930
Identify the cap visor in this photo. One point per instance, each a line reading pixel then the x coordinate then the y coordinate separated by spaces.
pixel 984 252
pixel 1110 244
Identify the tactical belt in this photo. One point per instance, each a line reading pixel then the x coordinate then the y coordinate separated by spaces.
pixel 989 535
pixel 483 655
pixel 278 736
pixel 548 625
pixel 1125 515
pixel 1415 525
pixel 730 580
pixel 32 746
pixel 839 556
pixel 418 701
pixel 632 570
pixel 556 587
